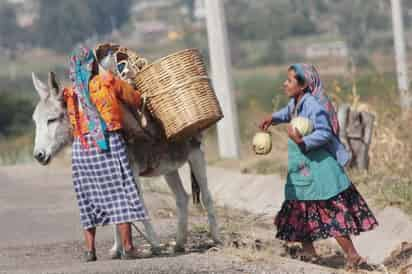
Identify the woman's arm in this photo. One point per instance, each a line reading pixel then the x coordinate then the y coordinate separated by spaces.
pixel 282 115
pixel 278 117
pixel 127 93
pixel 322 131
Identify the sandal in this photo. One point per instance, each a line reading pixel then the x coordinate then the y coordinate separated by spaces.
pixel 89 256
pixel 360 263
pixel 133 254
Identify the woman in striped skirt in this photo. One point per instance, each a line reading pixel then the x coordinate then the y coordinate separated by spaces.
pixel 102 176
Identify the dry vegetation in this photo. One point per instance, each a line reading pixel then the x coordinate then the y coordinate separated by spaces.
pixel 389 178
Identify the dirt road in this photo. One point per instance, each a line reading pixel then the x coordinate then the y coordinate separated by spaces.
pixel 40 233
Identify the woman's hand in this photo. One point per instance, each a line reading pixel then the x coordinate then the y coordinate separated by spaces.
pixel 294 135
pixel 266 123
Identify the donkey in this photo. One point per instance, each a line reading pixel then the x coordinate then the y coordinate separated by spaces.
pixel 53 132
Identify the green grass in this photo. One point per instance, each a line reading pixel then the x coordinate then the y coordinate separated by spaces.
pixel 262 89
pixel 318 38
pixel 25 65
pixel 385 188
pixel 369 86
pixel 16 150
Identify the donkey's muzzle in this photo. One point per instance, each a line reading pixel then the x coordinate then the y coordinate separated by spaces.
pixel 41 157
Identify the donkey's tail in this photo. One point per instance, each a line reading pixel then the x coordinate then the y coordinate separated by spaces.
pixel 196 143
pixel 195 189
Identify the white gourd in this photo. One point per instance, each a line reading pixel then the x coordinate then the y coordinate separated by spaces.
pixel 262 143
pixel 303 125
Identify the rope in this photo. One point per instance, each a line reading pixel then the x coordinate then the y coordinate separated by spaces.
pixel 141 233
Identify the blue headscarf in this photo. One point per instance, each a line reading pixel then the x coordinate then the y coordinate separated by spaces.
pixel 81 66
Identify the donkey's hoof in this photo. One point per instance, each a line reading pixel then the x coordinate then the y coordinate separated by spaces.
pixel 156 250
pixel 115 254
pixel 179 249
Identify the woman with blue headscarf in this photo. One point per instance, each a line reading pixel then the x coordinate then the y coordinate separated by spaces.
pixel 102 176
pixel 320 201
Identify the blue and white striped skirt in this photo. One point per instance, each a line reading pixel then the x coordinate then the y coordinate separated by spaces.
pixel 104 184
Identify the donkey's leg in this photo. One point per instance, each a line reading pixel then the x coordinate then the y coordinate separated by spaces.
pixel 197 165
pixel 150 232
pixel 182 199
pixel 115 251
pixel 151 235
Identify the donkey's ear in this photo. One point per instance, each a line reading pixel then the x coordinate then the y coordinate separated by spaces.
pixel 40 87
pixel 54 86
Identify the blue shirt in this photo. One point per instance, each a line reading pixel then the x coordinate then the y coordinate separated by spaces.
pixel 322 135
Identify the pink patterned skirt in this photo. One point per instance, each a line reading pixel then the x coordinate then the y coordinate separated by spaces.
pixel 306 221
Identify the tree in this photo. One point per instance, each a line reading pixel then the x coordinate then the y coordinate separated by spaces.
pixel 62 24
pixel 246 22
pixel 10 32
pixel 15 114
pixel 269 21
pixel 190 5
pixel 304 14
pixel 109 15
pixel 355 23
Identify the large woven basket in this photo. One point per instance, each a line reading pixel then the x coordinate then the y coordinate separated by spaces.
pixel 179 93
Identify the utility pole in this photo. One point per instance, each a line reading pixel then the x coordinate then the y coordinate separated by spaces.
pixel 227 128
pixel 400 53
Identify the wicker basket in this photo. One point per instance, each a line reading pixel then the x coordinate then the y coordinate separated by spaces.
pixel 135 63
pixel 179 93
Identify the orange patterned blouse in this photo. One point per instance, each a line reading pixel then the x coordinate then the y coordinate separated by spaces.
pixel 105 92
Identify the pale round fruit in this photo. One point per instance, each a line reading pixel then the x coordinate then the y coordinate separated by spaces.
pixel 303 125
pixel 262 143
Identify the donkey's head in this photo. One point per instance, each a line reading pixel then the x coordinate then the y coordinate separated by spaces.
pixel 51 120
